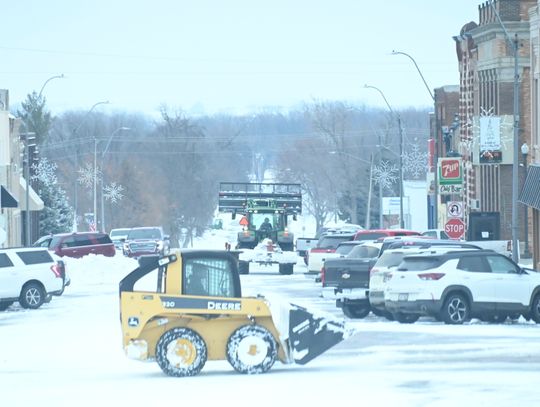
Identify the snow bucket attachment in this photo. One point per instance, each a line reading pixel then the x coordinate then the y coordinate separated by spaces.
pixel 311 335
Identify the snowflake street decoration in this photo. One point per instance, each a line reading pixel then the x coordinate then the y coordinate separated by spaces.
pixel 45 172
pixel 415 162
pixel 86 176
pixel 385 174
pixel 113 192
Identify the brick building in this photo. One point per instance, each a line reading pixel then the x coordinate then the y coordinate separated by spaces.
pixel 486 65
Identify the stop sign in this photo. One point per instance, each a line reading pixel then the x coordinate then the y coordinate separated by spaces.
pixel 455 228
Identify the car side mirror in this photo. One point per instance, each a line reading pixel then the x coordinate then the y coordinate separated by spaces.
pixel 166 237
pixel 122 239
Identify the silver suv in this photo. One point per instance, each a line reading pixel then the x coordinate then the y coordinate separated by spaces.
pixel 30 276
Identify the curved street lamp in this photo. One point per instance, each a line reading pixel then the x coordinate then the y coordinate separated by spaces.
pixel 398 118
pixel 417 68
pixel 47 81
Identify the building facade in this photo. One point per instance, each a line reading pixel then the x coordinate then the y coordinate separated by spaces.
pixel 12 181
pixel 485 54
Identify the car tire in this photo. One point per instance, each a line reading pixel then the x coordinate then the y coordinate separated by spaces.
pixel 356 311
pixel 406 318
pixel 535 309
pixel 456 309
pixel 32 296
pixel 4 305
pixel 181 352
pixel 251 349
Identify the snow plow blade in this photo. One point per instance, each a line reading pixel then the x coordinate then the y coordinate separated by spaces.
pixel 311 335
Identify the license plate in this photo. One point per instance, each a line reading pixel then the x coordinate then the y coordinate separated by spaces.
pixel 403 297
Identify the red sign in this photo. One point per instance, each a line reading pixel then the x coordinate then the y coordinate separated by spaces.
pixel 455 228
pixel 450 169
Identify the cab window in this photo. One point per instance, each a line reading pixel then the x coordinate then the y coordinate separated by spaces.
pixel 208 277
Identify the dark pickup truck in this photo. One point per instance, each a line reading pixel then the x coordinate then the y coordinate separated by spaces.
pixel 346 279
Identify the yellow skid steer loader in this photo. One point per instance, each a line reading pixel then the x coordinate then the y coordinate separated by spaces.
pixel 186 308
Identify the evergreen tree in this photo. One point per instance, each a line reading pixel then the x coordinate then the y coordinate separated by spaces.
pixel 57 215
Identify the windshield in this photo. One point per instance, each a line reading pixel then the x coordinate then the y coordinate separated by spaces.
pixel 144 234
pixel 119 232
pixel 389 259
pixel 257 219
pixel 364 252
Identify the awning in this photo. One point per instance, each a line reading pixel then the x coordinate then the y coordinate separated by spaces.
pixel 7 200
pixel 530 194
pixel 34 201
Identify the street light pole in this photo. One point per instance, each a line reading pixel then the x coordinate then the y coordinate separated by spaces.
pixel 27 136
pixel 435 155
pixel 102 174
pixel 76 164
pixel 526 252
pixel 95 184
pixel 401 220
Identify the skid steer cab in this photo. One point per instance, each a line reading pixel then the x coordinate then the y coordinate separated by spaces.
pixel 186 308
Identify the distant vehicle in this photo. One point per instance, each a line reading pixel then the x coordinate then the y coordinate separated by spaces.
pixel 119 236
pixel 436 234
pixel 305 244
pixel 373 234
pixel 30 276
pixel 326 247
pixel 265 208
pixel 142 241
pixel 78 244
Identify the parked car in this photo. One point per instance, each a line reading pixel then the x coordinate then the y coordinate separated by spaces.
pixel 390 259
pixel 326 247
pixel 119 236
pixel 456 286
pixel 78 244
pixel 397 242
pixel 346 279
pixel 374 234
pixel 143 241
pixel 30 276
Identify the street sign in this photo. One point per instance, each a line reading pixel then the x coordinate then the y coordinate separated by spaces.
pixel 455 228
pixel 454 209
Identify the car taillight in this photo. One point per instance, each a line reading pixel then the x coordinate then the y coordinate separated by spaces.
pixel 58 270
pixel 286 232
pixel 430 276
pixel 373 271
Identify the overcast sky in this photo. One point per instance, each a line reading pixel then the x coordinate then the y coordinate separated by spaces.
pixel 232 56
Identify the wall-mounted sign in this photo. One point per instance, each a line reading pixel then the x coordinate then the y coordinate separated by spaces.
pixel 450 189
pixel 450 171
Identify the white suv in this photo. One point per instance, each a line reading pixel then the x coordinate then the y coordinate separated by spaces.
pixel 456 286
pixel 30 276
pixel 388 262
